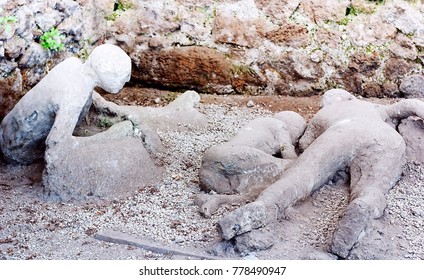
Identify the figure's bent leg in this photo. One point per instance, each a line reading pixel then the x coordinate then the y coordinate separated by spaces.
pixel 372 176
pixel 231 169
pixel 317 165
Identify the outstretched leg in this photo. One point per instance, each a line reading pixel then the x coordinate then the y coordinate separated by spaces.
pixel 372 175
pixel 312 169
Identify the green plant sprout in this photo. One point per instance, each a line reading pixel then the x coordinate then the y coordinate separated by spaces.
pixel 118 8
pixel 52 40
pixel 5 23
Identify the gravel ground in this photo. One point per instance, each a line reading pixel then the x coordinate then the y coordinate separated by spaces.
pixel 31 228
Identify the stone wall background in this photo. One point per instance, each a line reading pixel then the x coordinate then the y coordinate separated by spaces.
pixel 299 47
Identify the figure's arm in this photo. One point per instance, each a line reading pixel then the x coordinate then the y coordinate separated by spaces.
pixel 104 106
pixel 405 108
pixel 60 136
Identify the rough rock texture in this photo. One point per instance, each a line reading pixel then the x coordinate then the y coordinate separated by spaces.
pixel 413 86
pixel 247 46
pixel 254 241
pixel 199 68
pixel 10 91
pixel 372 151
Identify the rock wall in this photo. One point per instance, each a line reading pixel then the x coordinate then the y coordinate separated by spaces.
pixel 299 47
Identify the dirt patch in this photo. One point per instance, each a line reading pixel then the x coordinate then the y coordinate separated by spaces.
pixel 306 106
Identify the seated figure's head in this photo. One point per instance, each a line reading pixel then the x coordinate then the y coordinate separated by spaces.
pixel 335 95
pixel 112 67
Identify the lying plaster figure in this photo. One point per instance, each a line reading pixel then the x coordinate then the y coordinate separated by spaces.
pixel 346 133
pixel 241 168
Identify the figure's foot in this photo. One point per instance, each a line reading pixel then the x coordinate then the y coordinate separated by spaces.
pixel 351 228
pixel 208 204
pixel 251 216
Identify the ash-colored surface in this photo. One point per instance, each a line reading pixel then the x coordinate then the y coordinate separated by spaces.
pixel 165 213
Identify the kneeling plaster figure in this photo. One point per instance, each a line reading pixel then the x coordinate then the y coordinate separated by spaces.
pixel 107 165
pixel 345 133
pixel 49 112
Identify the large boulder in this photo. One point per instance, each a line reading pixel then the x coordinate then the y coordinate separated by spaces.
pixel 199 68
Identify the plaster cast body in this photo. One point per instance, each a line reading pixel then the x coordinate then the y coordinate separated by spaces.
pixel 346 133
pixel 49 112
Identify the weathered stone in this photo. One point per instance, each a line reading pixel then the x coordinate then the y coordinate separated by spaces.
pixel 372 90
pixel 362 6
pixel 298 74
pixel 403 16
pixel 390 89
pixel 330 38
pixel 362 32
pixel 412 130
pixel 364 63
pixel 360 67
pixel 104 6
pixel 252 35
pixel 413 86
pixel 46 23
pixel 238 23
pixel 291 35
pixel 34 55
pixel 25 23
pixel 322 11
pixel 352 81
pixel 404 47
pixel 198 68
pixel 278 10
pixel 396 68
pixel 7 67
pixel 14 47
pixel 71 28
pixel 304 67
pixel 254 241
pixel 10 92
